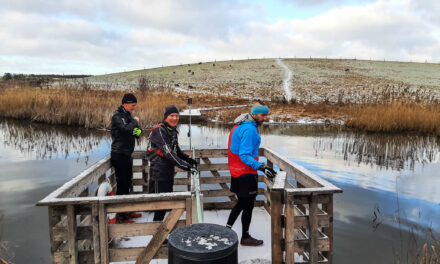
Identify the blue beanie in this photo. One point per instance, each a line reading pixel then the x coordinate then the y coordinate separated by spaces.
pixel 261 109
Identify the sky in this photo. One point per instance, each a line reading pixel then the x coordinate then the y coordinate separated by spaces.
pixel 99 37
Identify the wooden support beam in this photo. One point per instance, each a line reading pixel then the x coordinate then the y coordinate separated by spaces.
pixel 328 231
pixel 188 210
pixel 103 241
pixel 290 232
pixel 156 242
pixel 276 210
pixel 146 206
pixel 71 231
pixel 54 219
pixel 137 229
pixel 95 228
pixel 313 229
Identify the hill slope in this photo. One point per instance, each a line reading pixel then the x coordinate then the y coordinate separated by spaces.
pixel 313 80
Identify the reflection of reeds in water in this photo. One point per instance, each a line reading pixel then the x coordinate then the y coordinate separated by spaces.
pixel 386 151
pixel 48 142
pixel 430 255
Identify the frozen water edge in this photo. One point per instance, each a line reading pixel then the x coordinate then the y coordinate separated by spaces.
pixel 260 228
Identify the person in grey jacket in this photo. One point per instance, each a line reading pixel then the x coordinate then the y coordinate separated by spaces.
pixel 164 154
pixel 124 129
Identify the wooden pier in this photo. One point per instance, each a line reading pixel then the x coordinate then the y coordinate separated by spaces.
pixel 300 205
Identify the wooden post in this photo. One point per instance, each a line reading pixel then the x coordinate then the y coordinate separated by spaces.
pixel 71 234
pixel 276 210
pixel 313 228
pixel 96 236
pixel 290 230
pixel 188 209
pixel 53 220
pixel 328 231
pixel 103 234
pixel 145 174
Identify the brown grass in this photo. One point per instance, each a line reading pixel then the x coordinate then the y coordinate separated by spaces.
pixel 395 117
pixel 89 109
pixel 93 108
pixel 430 255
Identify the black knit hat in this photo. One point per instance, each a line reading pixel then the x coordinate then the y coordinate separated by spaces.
pixel 171 109
pixel 129 98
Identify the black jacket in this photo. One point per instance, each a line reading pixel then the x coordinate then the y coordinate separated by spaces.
pixel 164 141
pixel 122 126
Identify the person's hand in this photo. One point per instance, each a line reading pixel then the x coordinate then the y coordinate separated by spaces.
pixel 194 170
pixel 136 118
pixel 192 162
pixel 269 172
pixel 137 132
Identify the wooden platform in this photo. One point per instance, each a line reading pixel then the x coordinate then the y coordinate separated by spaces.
pixel 301 213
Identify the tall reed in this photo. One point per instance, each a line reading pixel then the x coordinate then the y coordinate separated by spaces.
pixel 395 117
pixel 430 255
pixel 89 109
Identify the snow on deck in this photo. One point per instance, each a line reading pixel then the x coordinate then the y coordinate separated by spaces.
pixel 260 229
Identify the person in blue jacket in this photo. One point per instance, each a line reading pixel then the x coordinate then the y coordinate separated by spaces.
pixel 243 145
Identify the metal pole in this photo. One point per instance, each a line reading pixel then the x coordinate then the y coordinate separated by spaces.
pixel 189 133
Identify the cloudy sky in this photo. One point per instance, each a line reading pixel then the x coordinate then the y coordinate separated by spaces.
pixel 97 36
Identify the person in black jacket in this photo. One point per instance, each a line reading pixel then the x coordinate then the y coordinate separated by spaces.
pixel 124 129
pixel 164 154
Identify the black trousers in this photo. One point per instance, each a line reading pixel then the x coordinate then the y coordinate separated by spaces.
pixel 157 186
pixel 245 187
pixel 123 165
pixel 245 205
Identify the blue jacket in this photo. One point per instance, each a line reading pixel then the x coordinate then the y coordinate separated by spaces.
pixel 245 142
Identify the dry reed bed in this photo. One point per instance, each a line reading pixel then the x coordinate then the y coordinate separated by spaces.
pixel 396 117
pixel 89 109
pixel 94 108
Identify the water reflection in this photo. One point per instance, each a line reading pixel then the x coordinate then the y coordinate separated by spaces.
pixel 46 142
pixel 390 203
pixel 397 152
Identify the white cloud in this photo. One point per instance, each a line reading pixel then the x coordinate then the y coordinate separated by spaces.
pixel 115 35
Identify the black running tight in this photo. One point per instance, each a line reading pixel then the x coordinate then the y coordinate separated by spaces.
pixel 245 204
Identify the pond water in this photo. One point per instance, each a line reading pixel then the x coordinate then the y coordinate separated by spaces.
pixel 389 208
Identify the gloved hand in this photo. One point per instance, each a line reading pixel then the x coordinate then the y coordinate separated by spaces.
pixel 194 170
pixel 192 162
pixel 269 172
pixel 137 132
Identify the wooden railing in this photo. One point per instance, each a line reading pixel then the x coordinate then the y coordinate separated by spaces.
pixel 300 205
pixel 301 213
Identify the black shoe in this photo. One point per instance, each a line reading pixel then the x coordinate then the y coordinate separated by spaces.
pixel 250 241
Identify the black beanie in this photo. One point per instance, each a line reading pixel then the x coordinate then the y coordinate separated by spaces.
pixel 129 98
pixel 170 110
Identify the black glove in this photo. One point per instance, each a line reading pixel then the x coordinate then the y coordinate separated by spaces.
pixel 192 162
pixel 269 172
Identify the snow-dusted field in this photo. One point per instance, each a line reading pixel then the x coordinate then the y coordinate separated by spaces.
pixel 260 228
pixel 302 80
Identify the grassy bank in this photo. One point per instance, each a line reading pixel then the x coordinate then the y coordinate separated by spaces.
pixel 94 108
pixel 385 117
